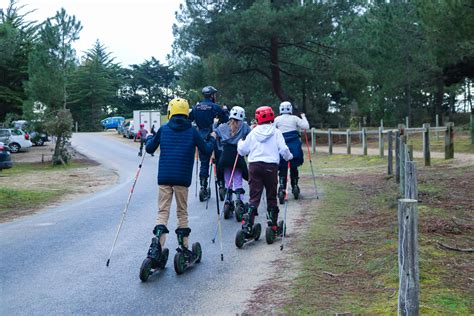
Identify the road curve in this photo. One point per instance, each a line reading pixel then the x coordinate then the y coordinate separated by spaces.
pixel 54 262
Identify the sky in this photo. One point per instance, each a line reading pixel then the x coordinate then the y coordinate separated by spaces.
pixel 131 30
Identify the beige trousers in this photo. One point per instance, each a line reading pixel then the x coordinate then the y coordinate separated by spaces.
pixel 165 197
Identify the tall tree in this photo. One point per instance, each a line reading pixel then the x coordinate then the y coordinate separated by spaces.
pixel 93 87
pixel 16 41
pixel 50 66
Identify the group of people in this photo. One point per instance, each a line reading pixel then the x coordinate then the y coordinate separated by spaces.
pixel 226 138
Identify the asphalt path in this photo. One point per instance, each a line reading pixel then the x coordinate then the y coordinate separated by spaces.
pixel 53 262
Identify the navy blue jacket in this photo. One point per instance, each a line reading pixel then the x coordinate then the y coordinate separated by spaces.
pixel 204 113
pixel 292 140
pixel 177 140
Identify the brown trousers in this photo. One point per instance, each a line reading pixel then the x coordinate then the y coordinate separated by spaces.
pixel 263 175
pixel 165 197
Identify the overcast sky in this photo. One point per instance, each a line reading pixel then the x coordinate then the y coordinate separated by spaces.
pixel 132 30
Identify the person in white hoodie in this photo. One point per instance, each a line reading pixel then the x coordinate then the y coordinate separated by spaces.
pixel 264 145
pixel 289 124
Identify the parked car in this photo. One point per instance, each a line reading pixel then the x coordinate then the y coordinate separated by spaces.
pixel 37 137
pixel 129 131
pixel 18 139
pixel 5 136
pixel 5 157
pixel 121 127
pixel 112 122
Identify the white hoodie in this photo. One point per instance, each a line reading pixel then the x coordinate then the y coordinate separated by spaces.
pixel 264 143
pixel 287 122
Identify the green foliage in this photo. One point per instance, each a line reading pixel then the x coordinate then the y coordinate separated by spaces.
pixel 93 88
pixel 51 64
pixel 334 60
pixel 16 39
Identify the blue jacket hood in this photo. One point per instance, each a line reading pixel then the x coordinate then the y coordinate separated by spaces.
pixel 179 123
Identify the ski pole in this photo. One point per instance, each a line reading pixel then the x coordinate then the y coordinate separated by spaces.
pixel 218 214
pixel 231 177
pixel 209 185
pixel 311 164
pixel 196 192
pixel 125 209
pixel 227 190
pixel 286 208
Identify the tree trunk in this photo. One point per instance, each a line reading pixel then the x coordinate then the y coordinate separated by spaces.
pixel 303 98
pixel 408 99
pixel 275 70
pixel 452 102
pixel 438 99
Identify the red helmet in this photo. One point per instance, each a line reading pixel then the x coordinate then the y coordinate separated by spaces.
pixel 142 125
pixel 264 114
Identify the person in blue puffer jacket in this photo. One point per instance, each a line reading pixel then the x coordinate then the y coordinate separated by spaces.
pixel 203 113
pixel 177 140
pixel 288 124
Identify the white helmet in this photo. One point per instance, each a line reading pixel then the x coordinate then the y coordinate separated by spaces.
pixel 286 107
pixel 237 113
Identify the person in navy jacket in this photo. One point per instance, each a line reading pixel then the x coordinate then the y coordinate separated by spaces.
pixel 203 113
pixel 177 140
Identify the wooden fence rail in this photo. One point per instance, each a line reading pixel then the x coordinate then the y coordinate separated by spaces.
pixel 388 134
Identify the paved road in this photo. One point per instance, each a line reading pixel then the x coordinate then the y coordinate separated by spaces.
pixel 54 262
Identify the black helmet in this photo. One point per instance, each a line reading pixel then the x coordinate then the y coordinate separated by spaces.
pixel 208 91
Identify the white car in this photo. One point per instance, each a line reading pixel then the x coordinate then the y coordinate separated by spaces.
pixel 18 139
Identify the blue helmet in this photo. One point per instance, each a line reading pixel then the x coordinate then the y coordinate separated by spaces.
pixel 208 91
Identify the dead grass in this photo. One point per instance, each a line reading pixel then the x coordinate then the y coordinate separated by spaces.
pixel 31 186
pixel 346 258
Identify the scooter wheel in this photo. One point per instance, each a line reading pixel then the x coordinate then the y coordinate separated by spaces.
pixel 196 248
pixel 240 239
pixel 179 263
pixel 257 231
pixel 239 213
pixel 164 258
pixel 145 269
pixel 281 225
pixel 227 211
pixel 269 235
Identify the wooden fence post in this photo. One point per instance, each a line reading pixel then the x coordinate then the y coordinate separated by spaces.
pixel 397 156
pixel 409 288
pixel 407 126
pixel 330 141
pixel 449 141
pixel 348 141
pixel 410 152
pixel 411 186
pixel 390 153
pixel 402 167
pixel 313 140
pixel 381 142
pixel 426 144
pixel 364 140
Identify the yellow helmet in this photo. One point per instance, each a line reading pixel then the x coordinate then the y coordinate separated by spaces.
pixel 178 106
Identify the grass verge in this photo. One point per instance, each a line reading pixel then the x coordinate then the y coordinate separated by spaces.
pixel 13 199
pixel 347 259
